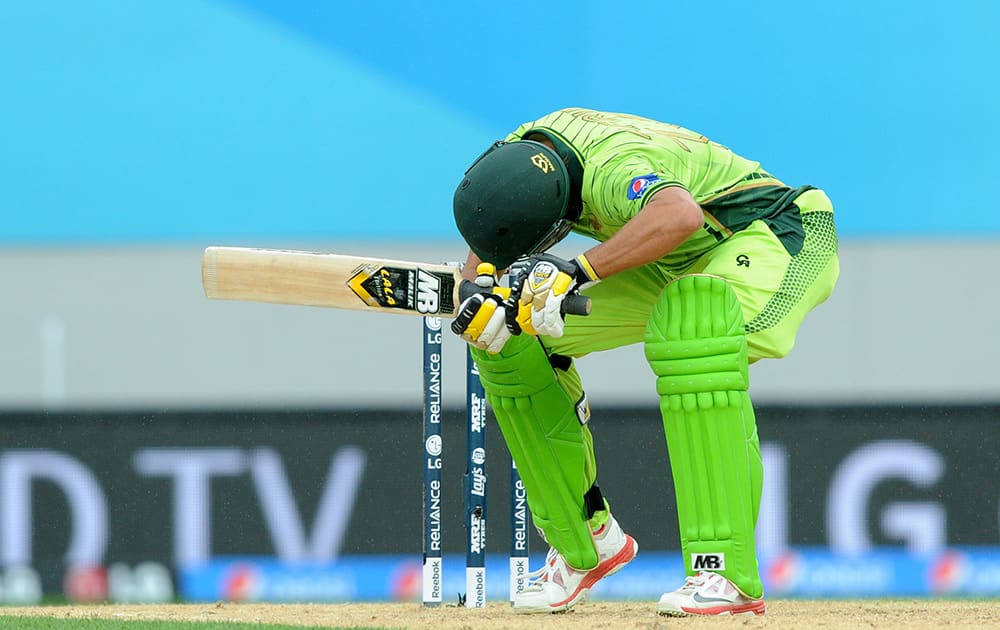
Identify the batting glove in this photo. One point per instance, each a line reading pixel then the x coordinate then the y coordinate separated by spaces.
pixel 542 285
pixel 482 322
pixel 482 317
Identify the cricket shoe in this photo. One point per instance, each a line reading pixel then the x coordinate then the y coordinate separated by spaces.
pixel 556 586
pixel 708 593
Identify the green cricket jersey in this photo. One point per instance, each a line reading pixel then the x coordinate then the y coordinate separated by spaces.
pixel 625 159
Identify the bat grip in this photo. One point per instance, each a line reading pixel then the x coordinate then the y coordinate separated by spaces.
pixel 576 304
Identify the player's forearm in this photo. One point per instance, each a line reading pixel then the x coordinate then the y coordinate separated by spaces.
pixel 669 218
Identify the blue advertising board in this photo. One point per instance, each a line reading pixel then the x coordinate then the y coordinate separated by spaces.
pixel 796 573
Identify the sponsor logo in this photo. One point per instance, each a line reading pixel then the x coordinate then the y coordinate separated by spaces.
pixel 433 445
pixel 520 517
pixel 478 588
pixel 86 584
pixel 543 163
pixel 477 535
pixel 541 274
pixel 479 456
pixel 432 581
pixel 698 597
pixel 428 290
pixel 810 574
pixel 434 518
pixel 242 583
pixel 782 574
pixel 639 185
pixel 478 414
pixel 478 482
pixel 406 583
pixel 743 261
pixel 518 574
pixel 432 391
pixel 708 561
pixel 947 572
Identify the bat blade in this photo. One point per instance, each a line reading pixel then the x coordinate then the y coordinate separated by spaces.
pixel 330 280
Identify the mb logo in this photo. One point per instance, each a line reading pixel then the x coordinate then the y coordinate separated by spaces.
pixel 708 562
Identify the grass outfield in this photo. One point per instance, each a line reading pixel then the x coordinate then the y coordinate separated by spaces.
pixel 781 614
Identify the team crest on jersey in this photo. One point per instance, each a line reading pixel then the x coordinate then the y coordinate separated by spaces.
pixel 639 185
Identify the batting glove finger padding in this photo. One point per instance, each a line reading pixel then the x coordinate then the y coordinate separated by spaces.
pixel 482 322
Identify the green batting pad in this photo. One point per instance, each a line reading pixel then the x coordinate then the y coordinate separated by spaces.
pixel 553 451
pixel 697 348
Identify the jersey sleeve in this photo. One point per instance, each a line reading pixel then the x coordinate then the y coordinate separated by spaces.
pixel 622 187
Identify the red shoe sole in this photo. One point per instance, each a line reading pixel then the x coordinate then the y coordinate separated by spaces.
pixel 609 567
pixel 753 608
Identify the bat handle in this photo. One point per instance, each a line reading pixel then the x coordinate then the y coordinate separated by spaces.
pixel 576 304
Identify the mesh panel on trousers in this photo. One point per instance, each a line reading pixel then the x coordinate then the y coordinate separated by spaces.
pixel 819 247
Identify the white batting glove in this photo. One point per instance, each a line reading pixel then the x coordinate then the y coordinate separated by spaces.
pixel 482 317
pixel 544 282
pixel 482 322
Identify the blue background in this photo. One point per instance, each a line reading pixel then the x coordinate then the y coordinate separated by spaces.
pixel 253 121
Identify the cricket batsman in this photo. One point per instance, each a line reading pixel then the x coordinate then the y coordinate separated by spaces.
pixel 704 257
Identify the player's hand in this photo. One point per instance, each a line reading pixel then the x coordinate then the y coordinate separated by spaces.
pixel 482 316
pixel 543 284
pixel 482 322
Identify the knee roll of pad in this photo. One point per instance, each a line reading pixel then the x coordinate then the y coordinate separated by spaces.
pixel 521 369
pixel 694 339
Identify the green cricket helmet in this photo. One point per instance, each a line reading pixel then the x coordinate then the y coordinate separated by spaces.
pixel 514 201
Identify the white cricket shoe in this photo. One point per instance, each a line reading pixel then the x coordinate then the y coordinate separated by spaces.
pixel 557 586
pixel 708 593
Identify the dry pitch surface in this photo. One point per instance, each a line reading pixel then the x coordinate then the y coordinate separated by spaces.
pixel 585 616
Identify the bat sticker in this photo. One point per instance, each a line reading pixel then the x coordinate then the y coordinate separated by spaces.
pixel 411 289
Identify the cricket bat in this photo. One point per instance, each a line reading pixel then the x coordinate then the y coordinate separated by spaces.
pixel 341 281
